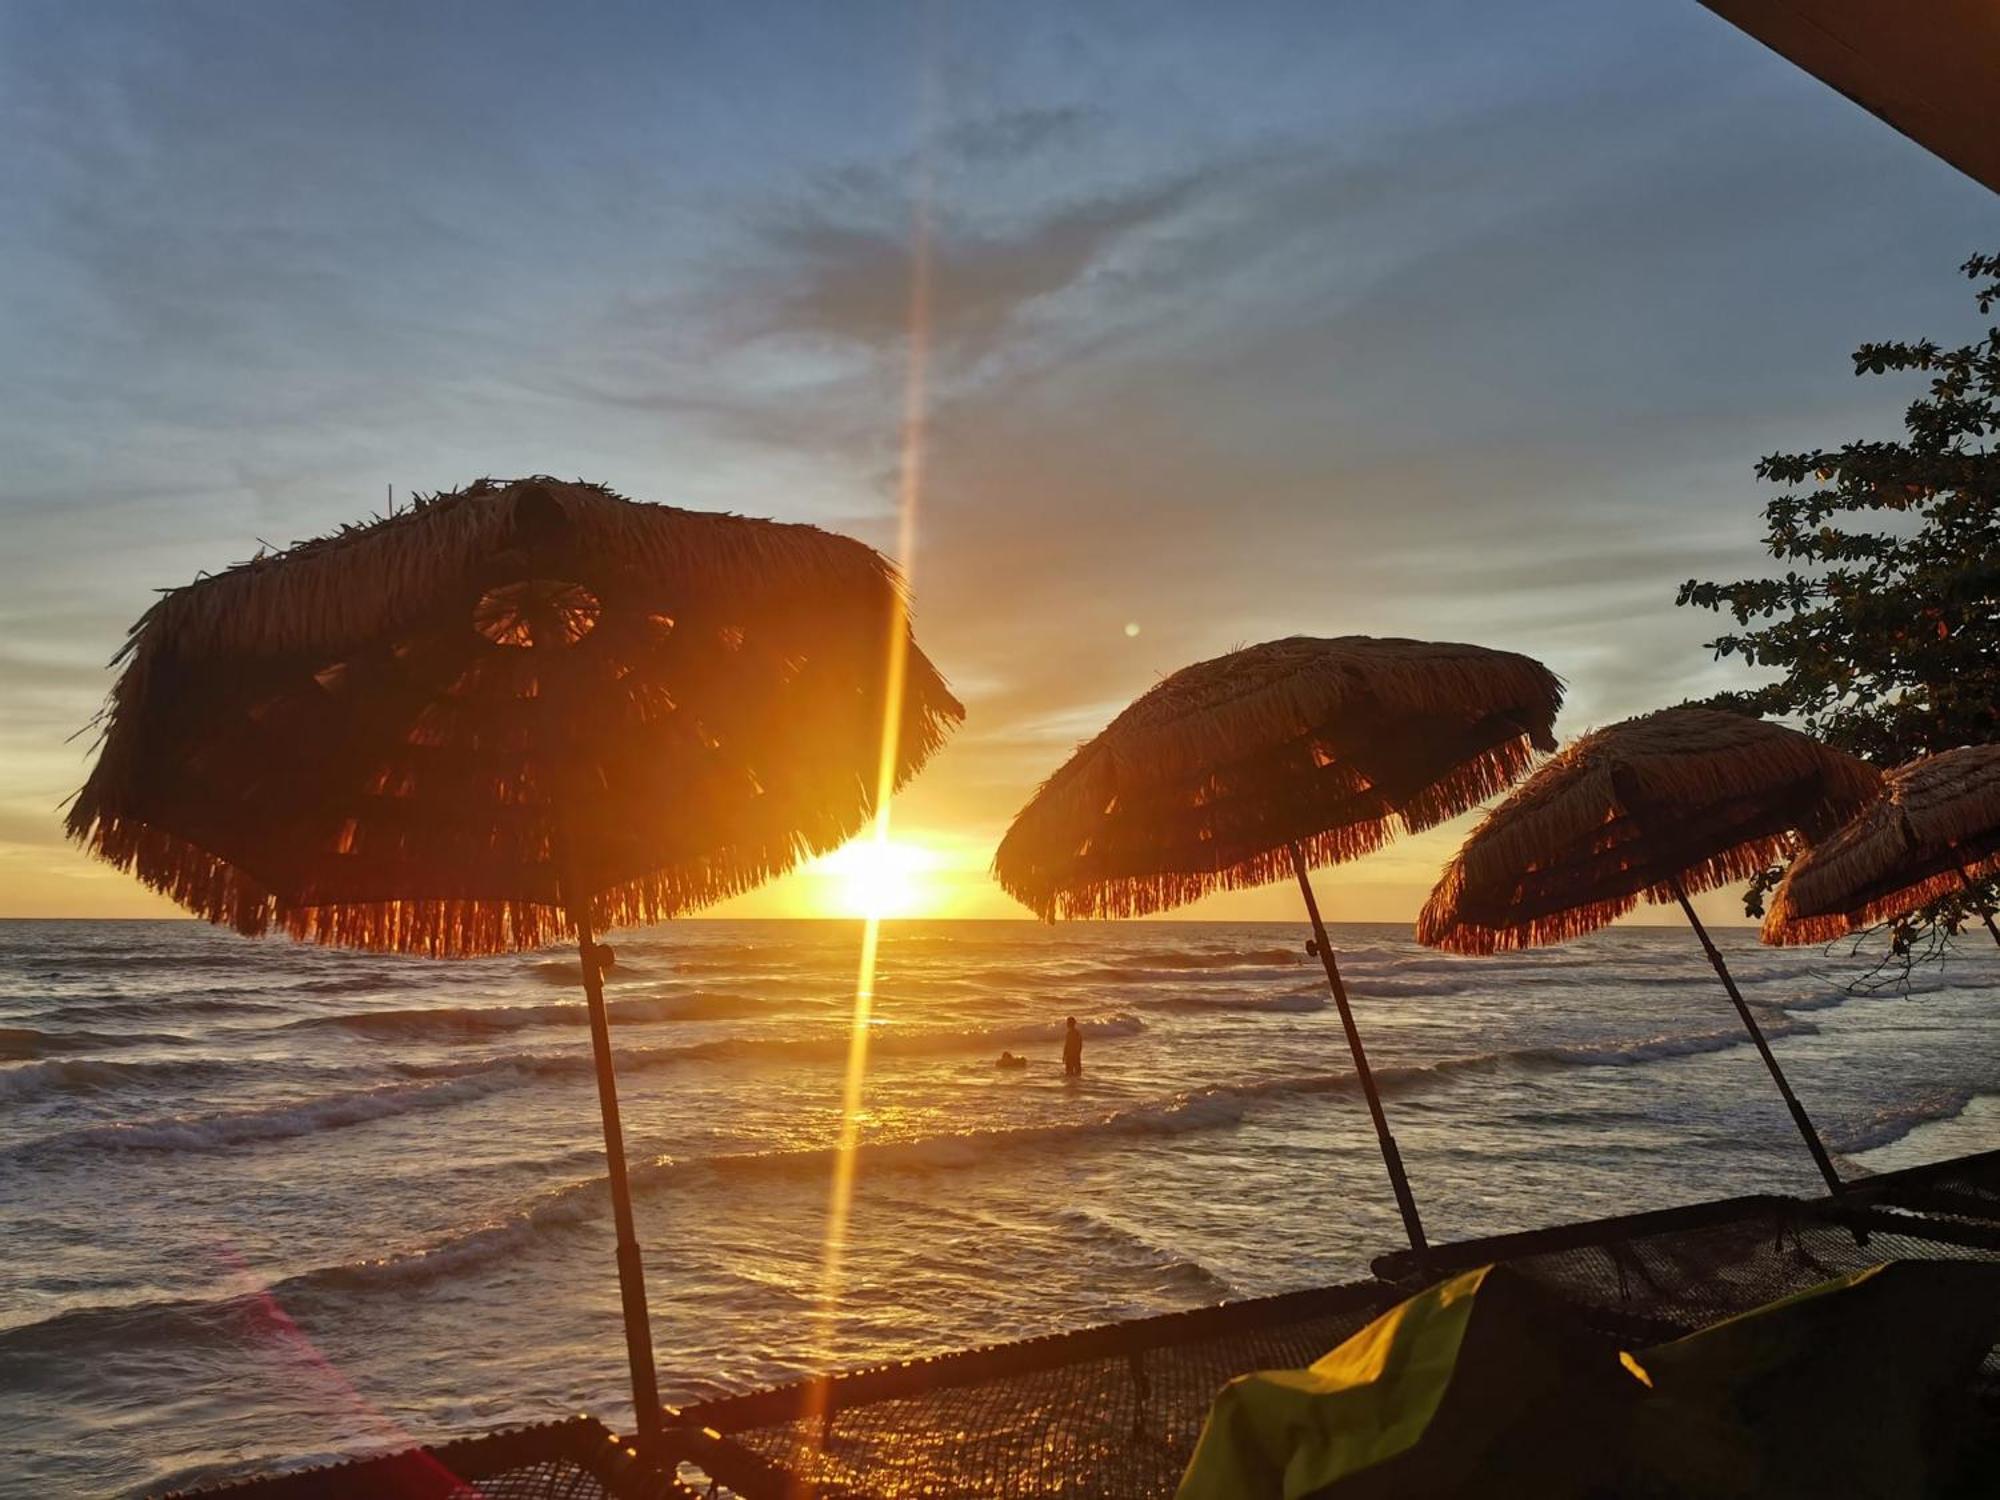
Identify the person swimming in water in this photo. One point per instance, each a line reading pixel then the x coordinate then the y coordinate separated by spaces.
pixel 1072 1050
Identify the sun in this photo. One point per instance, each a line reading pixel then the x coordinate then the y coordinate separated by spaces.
pixel 877 878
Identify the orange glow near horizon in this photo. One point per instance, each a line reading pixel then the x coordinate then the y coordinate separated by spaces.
pixel 878 878
pixel 875 858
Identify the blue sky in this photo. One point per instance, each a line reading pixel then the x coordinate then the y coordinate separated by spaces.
pixel 1449 320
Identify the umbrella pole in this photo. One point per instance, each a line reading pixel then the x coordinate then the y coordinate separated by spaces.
pixel 631 1272
pixel 1799 1117
pixel 1972 890
pixel 1392 1158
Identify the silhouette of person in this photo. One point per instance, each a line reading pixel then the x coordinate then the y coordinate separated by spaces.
pixel 1072 1050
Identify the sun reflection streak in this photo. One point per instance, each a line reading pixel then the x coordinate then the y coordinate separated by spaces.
pixel 909 489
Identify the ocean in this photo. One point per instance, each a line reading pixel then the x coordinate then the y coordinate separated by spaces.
pixel 262 1202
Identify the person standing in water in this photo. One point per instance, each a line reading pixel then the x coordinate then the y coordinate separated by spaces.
pixel 1072 1050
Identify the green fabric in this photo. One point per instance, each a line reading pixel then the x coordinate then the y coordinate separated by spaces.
pixel 1429 1398
pixel 1860 1386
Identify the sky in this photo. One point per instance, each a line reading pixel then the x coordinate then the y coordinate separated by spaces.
pixel 1449 320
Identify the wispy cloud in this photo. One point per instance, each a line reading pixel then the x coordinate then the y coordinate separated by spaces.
pixel 1429 320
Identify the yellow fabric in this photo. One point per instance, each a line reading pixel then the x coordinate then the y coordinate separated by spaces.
pixel 1290 1433
pixel 1487 1388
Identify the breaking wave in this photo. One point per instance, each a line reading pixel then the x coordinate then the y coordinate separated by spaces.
pixel 1658 1048
pixel 434 1085
pixel 1292 1002
pixel 88 1075
pixel 222 1128
pixel 458 1022
pixel 23 1043
pixel 1895 1121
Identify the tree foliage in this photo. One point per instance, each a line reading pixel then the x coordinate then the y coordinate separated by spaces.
pixel 1884 628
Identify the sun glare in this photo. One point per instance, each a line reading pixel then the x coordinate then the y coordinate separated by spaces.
pixel 878 878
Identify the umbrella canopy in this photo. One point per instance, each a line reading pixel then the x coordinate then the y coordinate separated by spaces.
pixel 423 734
pixel 1681 800
pixel 1207 781
pixel 518 712
pixel 1935 830
pixel 1236 771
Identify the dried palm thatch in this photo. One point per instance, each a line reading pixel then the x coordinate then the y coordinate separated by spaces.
pixel 1685 797
pixel 1206 781
pixel 1934 829
pixel 417 734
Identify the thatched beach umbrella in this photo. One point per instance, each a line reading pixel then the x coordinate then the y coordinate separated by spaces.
pixel 1238 771
pixel 1682 800
pixel 524 712
pixel 1934 830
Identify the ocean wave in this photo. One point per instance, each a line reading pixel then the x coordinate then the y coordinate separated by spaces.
pixel 223 1128
pixel 193 1003
pixel 1367 986
pixel 86 1075
pixel 1658 1048
pixel 1232 958
pixel 1139 1249
pixel 1825 999
pixel 1216 1107
pixel 363 982
pixel 459 1022
pixel 585 1201
pixel 53 964
pixel 1393 964
pixel 707 966
pixel 568 972
pixel 1131 974
pixel 826 1046
pixel 1292 1002
pixel 421 1086
pixel 23 1043
pixel 1893 1122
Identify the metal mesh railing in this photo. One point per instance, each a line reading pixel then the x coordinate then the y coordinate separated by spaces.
pixel 577 1459
pixel 1114 1412
pixel 1959 1199
pixel 1111 1411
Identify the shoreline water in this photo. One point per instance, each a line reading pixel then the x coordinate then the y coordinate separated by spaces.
pixel 360 1198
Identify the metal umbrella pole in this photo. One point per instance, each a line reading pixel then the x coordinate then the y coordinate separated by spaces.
pixel 1985 912
pixel 1799 1116
pixel 631 1270
pixel 1391 1157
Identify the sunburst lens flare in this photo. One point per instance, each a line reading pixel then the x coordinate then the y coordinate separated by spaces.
pixel 877 879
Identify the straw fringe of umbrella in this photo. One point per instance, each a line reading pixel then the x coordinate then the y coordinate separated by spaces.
pixel 1290 695
pixel 1573 827
pixel 1935 828
pixel 297 616
pixel 218 892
